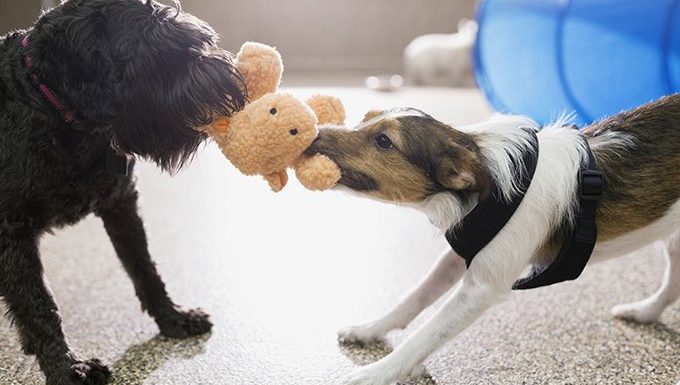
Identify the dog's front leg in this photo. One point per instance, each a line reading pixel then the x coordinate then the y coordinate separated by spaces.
pixel 126 231
pixel 464 306
pixel 440 279
pixel 31 306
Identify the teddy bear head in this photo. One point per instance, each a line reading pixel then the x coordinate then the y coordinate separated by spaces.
pixel 269 134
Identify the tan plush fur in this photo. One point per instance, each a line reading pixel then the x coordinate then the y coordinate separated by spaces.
pixel 271 133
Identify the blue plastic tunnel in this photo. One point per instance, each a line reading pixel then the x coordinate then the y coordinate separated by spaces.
pixel 594 57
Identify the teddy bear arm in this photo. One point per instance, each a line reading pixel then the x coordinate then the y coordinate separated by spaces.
pixel 317 173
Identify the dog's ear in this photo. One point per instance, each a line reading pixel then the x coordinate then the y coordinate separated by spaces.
pixel 458 168
pixel 73 59
pixel 454 176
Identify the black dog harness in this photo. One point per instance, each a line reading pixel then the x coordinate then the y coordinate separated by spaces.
pixel 486 220
pixel 116 162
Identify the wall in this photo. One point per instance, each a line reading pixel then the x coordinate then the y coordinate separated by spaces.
pixel 363 36
pixel 18 14
pixel 360 35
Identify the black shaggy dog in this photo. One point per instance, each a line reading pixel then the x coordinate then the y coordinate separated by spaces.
pixel 92 82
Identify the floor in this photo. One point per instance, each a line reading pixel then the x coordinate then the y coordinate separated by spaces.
pixel 280 273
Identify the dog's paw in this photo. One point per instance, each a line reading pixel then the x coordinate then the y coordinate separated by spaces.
pixel 88 372
pixel 643 311
pixel 185 323
pixel 361 334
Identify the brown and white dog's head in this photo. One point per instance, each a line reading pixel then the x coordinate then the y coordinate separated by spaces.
pixel 404 156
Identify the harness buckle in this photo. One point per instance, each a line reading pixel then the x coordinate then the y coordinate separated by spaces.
pixel 592 185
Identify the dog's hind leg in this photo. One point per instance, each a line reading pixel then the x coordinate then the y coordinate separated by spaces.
pixel 443 275
pixel 126 231
pixel 649 309
pixel 34 313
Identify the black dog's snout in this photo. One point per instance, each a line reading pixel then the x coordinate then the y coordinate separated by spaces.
pixel 294 131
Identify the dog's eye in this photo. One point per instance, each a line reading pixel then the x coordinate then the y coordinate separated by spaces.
pixel 383 141
pixel 273 111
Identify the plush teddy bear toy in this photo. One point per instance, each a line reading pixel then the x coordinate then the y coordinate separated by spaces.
pixel 271 132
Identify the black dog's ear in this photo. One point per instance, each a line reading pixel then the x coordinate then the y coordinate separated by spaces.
pixel 73 59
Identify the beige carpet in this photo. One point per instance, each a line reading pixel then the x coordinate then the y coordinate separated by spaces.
pixel 280 273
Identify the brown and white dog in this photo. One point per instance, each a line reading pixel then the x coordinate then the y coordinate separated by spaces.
pixel 407 157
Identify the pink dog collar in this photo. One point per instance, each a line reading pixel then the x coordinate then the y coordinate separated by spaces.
pixel 46 92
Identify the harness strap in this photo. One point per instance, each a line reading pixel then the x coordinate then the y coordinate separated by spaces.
pixel 487 219
pixel 579 243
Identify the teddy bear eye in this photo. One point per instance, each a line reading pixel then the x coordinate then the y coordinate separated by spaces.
pixel 273 111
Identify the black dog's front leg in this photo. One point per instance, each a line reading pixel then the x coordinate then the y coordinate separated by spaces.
pixel 126 230
pixel 35 314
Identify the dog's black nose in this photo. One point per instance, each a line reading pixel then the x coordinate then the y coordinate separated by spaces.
pixel 294 131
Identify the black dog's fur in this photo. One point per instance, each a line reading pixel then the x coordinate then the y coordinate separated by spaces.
pixel 139 76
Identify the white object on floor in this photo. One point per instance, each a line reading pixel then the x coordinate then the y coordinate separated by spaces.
pixel 442 59
pixel 384 83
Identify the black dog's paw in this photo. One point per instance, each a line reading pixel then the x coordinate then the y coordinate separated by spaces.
pixel 185 323
pixel 88 372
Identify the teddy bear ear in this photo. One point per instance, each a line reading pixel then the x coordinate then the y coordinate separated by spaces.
pixel 328 109
pixel 261 67
pixel 372 114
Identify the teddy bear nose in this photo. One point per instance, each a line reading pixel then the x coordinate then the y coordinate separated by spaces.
pixel 293 131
